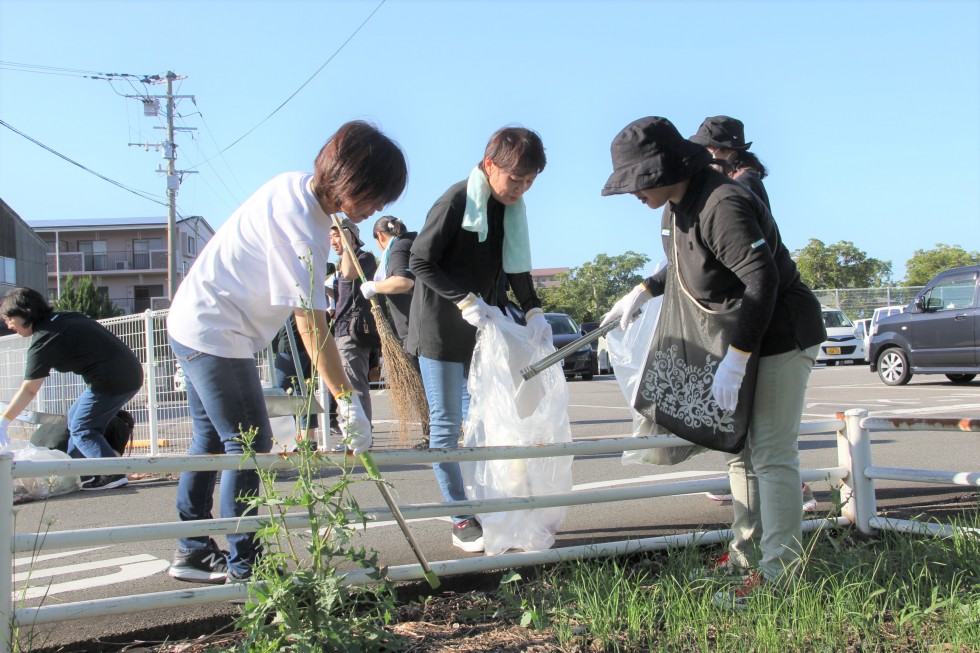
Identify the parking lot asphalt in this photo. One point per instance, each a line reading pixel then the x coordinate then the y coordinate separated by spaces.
pixel 597 409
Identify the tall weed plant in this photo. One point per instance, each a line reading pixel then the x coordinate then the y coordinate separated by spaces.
pixel 297 598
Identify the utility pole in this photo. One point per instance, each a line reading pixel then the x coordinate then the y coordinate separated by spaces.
pixel 151 106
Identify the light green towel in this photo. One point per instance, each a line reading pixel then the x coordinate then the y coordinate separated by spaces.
pixel 517 244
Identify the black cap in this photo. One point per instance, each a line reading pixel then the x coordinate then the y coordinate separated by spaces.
pixel 651 153
pixel 722 132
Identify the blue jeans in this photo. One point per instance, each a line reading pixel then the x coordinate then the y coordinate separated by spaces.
pixel 224 396
pixel 449 400
pixel 88 418
pixel 286 378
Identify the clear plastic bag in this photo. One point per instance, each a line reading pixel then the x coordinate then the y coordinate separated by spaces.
pixel 44 487
pixel 495 419
pixel 628 353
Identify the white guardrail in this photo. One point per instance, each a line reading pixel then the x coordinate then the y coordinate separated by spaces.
pixel 854 476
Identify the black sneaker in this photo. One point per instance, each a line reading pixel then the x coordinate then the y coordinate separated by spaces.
pixel 86 480
pixel 468 536
pixel 200 565
pixel 106 482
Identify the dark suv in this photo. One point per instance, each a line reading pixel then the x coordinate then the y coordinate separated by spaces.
pixel 939 333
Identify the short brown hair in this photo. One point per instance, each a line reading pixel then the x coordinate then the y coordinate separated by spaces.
pixel 359 164
pixel 516 150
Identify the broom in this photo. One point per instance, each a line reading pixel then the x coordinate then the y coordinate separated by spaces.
pixel 407 393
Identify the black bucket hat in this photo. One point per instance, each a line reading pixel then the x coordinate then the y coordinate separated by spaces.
pixel 651 153
pixel 722 132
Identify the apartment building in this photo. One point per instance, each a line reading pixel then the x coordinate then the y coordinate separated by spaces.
pixel 546 277
pixel 22 261
pixel 126 257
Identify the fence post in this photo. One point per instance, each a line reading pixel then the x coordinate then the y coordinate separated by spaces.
pixel 151 382
pixel 6 549
pixel 854 454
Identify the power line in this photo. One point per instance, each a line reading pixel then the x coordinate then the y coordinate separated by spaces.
pixel 138 193
pixel 302 86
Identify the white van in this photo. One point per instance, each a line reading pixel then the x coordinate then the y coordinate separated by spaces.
pixel 842 345
pixel 880 312
pixel 862 331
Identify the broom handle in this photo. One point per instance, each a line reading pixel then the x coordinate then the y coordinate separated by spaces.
pixel 353 258
pixel 368 461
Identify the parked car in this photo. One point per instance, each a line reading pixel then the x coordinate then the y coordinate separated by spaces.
pixel 880 312
pixel 938 333
pixel 601 348
pixel 180 386
pixel 581 362
pixel 842 345
pixel 862 331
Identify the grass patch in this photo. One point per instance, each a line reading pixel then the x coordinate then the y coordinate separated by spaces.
pixel 894 592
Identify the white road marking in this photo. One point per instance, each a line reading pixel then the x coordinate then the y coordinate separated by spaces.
pixel 18 562
pixel 82 567
pixel 130 568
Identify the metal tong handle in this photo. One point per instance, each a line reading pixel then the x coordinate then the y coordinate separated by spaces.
pixel 534 369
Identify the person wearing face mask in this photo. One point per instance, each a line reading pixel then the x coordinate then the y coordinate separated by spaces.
pixel 725 248
pixel 265 263
pixel 476 232
pixel 724 137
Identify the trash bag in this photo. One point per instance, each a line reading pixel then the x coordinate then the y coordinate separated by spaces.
pixel 503 348
pixel 35 488
pixel 628 354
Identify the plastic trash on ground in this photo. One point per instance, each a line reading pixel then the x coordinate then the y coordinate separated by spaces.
pixel 494 419
pixel 628 353
pixel 44 487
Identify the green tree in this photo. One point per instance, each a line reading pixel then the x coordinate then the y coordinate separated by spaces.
pixel 841 265
pixel 926 263
pixel 588 291
pixel 85 298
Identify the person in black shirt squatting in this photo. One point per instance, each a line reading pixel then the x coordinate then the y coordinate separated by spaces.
pixel 73 342
pixel 476 232
pixel 728 248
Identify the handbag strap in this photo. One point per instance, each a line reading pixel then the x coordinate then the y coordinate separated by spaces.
pixel 680 279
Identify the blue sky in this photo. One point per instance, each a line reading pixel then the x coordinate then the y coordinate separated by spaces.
pixel 866 112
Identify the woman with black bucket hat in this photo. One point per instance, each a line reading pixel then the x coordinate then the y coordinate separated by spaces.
pixel 724 137
pixel 725 250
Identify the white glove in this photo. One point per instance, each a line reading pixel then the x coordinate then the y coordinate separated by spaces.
pixel 539 327
pixel 728 378
pixel 354 424
pixel 368 289
pixel 4 438
pixel 629 304
pixel 477 312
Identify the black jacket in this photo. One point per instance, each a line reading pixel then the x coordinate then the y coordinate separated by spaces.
pixel 449 263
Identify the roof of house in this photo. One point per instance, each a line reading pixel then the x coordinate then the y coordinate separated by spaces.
pixel 88 224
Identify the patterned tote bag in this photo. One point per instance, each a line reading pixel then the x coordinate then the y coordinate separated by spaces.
pixel 675 384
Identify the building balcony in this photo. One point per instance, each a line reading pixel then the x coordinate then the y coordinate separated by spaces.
pixel 107 262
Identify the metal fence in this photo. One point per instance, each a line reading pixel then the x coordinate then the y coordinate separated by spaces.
pixel 854 476
pixel 159 408
pixel 860 303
